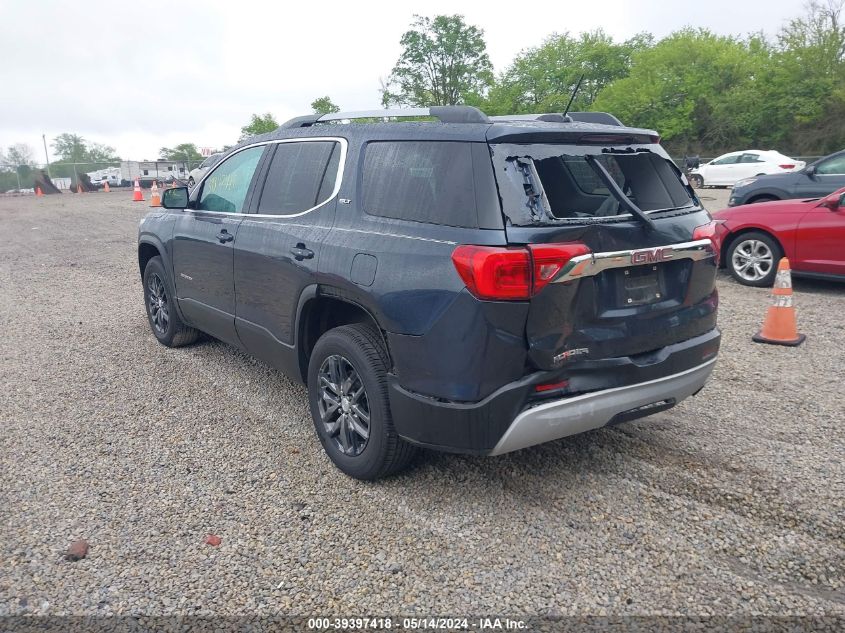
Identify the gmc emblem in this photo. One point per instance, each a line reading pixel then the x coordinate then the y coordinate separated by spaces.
pixel 651 256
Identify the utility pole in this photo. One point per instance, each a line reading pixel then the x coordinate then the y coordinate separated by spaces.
pixel 46 156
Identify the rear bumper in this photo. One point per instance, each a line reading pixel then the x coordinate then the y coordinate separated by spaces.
pixel 554 420
pixel 599 393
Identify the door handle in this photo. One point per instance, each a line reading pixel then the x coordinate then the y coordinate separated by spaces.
pixel 299 252
pixel 224 236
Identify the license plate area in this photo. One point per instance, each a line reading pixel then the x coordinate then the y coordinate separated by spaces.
pixel 639 285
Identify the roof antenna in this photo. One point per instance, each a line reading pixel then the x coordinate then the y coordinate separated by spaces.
pixel 574 92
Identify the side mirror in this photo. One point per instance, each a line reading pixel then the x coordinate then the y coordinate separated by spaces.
pixel 175 198
pixel 834 201
pixel 811 171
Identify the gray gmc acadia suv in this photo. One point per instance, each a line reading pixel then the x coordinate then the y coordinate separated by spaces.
pixel 462 283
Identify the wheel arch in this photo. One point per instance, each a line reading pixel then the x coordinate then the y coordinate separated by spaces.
pixel 147 249
pixel 735 235
pixel 322 310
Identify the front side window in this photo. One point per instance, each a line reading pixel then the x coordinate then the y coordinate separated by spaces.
pixel 426 181
pixel 726 160
pixel 831 166
pixel 225 189
pixel 302 176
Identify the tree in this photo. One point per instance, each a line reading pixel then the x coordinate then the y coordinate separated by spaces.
pixel 20 155
pixel 324 105
pixel 676 86
pixel 182 152
pixel 72 148
pixel 443 62
pixel 99 153
pixel 258 125
pixel 542 79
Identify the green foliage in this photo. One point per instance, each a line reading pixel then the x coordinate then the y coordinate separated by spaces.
pixel 19 154
pixel 708 94
pixel 72 148
pixel 16 165
pixel 443 62
pixel 542 79
pixel 324 105
pixel 258 125
pixel 183 152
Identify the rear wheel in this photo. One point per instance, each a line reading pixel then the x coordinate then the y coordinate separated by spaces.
pixel 753 259
pixel 191 181
pixel 696 181
pixel 347 391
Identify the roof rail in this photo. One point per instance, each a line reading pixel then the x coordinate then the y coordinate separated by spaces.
pixel 300 121
pixel 603 118
pixel 446 114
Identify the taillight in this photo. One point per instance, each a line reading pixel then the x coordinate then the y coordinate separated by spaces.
pixel 493 272
pixel 708 232
pixel 550 258
pixel 787 166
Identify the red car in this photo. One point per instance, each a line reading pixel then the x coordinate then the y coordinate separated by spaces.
pixel 811 233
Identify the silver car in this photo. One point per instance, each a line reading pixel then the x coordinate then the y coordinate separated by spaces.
pixel 196 174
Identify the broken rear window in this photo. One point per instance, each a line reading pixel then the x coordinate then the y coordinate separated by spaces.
pixel 542 183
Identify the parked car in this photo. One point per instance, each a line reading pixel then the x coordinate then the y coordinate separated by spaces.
pixel 730 168
pixel 196 174
pixel 811 233
pixel 469 285
pixel 816 180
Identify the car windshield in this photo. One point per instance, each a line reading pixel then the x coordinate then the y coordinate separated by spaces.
pixel 549 183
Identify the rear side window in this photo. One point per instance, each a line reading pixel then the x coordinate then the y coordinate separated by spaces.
pixel 422 181
pixel 301 176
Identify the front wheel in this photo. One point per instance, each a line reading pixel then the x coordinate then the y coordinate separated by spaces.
pixel 159 300
pixel 753 259
pixel 347 391
pixel 191 182
pixel 696 181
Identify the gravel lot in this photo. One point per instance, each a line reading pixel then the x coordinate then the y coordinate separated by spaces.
pixel 732 503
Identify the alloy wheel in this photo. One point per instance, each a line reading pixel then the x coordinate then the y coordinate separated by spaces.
pixel 158 304
pixel 343 405
pixel 752 260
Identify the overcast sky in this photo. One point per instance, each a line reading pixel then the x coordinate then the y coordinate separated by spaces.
pixel 139 76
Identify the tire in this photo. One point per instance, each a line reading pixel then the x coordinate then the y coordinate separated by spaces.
pixel 344 361
pixel 191 182
pixel 696 181
pixel 162 315
pixel 762 272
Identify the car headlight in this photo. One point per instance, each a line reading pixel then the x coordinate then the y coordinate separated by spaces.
pixel 743 182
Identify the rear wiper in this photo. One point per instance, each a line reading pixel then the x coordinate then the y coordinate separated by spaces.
pixel 614 189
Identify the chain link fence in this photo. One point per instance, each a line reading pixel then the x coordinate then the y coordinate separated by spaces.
pixel 21 179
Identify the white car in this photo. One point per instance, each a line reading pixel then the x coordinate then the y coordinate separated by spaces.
pixel 196 174
pixel 728 169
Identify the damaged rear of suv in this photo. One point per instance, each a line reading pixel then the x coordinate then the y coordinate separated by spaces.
pixel 467 284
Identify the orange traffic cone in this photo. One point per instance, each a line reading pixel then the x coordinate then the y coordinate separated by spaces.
pixel 137 196
pixel 155 199
pixel 779 327
pixel 78 188
pixel 38 192
pixel 106 188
